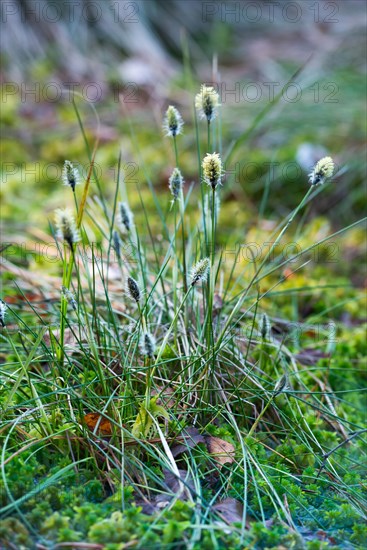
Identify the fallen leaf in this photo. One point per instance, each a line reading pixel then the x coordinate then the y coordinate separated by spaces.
pixel 222 450
pixel 173 484
pixel 169 491
pixel 191 437
pixel 310 356
pixel 165 396
pixel 230 509
pixel 104 425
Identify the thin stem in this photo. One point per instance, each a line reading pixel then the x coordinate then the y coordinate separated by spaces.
pixel 175 270
pixel 175 149
pixel 214 222
pixel 210 337
pixel 164 343
pixel 66 279
pixel 75 201
pixel 182 212
pixel 255 424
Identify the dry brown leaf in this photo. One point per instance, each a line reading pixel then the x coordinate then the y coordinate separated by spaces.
pixel 104 426
pixel 230 509
pixel 191 438
pixel 173 484
pixel 222 451
pixel 310 356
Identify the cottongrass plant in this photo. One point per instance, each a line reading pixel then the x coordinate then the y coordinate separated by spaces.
pixel 125 217
pixel 176 183
pixel 173 122
pixel 174 380
pixel 133 289
pixel 66 229
pixel 206 104
pixel 322 171
pixel 172 125
pixel 70 175
pixel 3 310
pixel 200 272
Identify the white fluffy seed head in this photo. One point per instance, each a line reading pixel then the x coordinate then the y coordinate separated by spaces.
pixel 176 183
pixel 70 175
pixel 69 297
pixel 3 309
pixel 133 289
pixel 172 122
pixel 117 244
pixel 125 217
pixel 147 345
pixel 66 227
pixel 200 271
pixel 212 169
pixel 281 386
pixel 207 102
pixel 265 327
pixel 322 171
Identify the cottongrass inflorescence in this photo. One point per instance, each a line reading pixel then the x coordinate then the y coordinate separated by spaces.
pixel 66 227
pixel 173 122
pixel 125 217
pixel 281 386
pixel 70 175
pixel 69 297
pixel 265 327
pixel 176 183
pixel 212 169
pixel 147 345
pixel 117 244
pixel 200 271
pixel 3 308
pixel 133 289
pixel 207 102
pixel 322 170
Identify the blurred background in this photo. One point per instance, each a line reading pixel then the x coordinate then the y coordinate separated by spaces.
pixel 129 60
